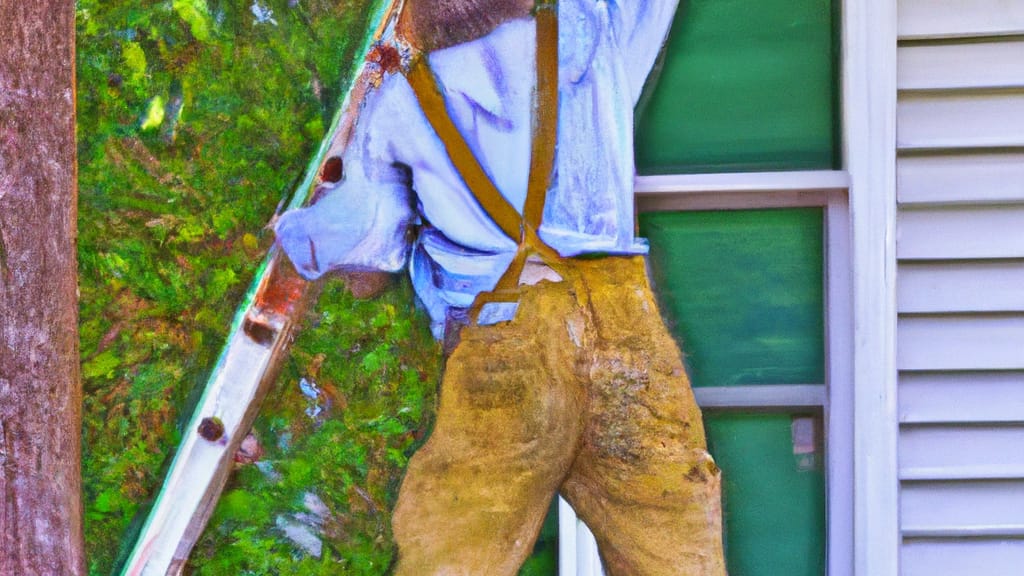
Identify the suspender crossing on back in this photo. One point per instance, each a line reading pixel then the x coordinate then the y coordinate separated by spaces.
pixel 520 228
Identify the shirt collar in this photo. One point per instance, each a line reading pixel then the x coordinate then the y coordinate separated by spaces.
pixel 474 71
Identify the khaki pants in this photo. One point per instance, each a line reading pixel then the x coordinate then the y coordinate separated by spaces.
pixel 584 393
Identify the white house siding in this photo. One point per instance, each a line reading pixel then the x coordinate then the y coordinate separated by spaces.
pixel 960 286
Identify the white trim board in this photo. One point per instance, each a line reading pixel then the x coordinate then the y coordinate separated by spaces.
pixel 577 547
pixel 740 191
pixel 839 439
pixel 742 182
pixel 768 396
pixel 578 550
pixel 869 91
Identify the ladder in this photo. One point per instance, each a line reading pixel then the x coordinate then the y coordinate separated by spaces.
pixel 256 345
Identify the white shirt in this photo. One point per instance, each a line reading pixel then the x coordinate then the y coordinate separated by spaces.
pixel 401 196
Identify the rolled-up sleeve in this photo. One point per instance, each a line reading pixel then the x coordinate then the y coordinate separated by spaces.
pixel 363 222
pixel 642 27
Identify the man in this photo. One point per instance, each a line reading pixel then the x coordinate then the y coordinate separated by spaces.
pixel 562 377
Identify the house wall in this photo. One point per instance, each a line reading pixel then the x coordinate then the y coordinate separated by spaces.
pixel 960 286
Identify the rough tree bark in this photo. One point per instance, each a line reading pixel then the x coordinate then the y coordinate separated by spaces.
pixel 40 390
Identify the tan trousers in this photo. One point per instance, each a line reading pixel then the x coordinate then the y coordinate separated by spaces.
pixel 584 393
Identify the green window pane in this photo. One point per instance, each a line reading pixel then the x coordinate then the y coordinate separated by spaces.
pixel 745 86
pixel 773 493
pixel 743 292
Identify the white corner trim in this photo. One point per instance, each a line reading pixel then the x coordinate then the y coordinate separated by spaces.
pixel 869 150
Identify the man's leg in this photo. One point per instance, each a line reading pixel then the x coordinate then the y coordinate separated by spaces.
pixel 643 481
pixel 508 428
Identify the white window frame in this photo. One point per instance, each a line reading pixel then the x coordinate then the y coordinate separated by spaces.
pixel 825 189
pixel 860 408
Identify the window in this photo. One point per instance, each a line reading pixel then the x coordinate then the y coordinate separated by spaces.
pixel 746 287
pixel 744 87
pixel 737 147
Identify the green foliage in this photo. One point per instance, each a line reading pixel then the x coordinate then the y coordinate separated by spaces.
pixel 194 122
pixel 154 116
pixel 135 62
pixel 374 368
pixel 544 561
pixel 197 15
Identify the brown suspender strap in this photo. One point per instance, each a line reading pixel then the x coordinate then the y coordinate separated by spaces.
pixel 424 85
pixel 545 115
pixel 545 129
pixel 542 158
pixel 522 229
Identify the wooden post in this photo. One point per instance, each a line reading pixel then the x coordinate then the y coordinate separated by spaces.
pixel 40 388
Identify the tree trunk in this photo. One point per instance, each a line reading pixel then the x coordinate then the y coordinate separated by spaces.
pixel 40 391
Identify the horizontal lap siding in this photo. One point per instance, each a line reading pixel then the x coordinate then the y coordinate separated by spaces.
pixel 959 178
pixel 971 232
pixel 956 66
pixel 963 453
pixel 961 342
pixel 960 286
pixel 961 397
pixel 960 120
pixel 965 508
pixel 951 557
pixel 959 18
